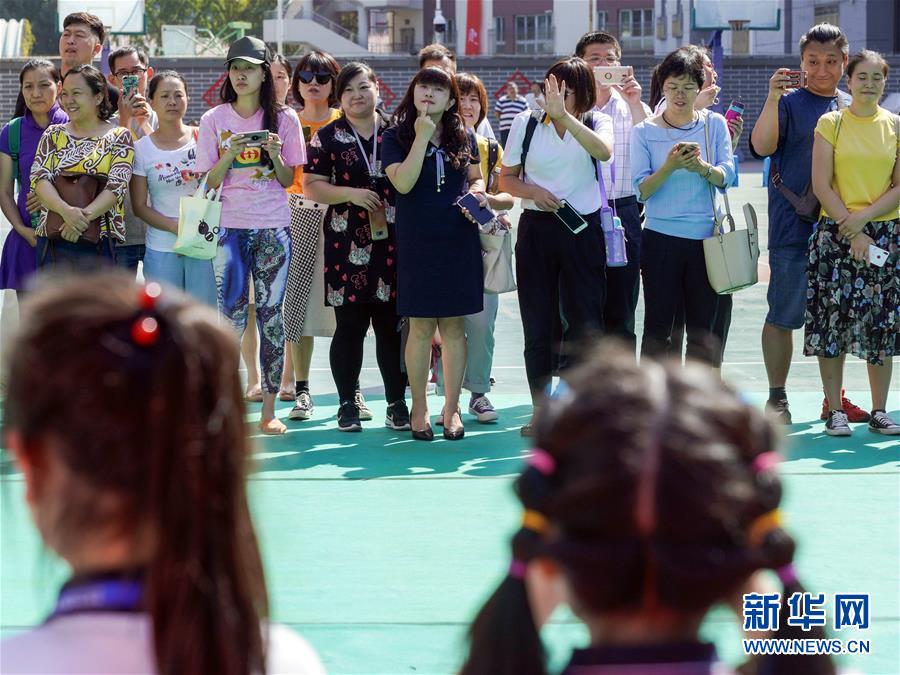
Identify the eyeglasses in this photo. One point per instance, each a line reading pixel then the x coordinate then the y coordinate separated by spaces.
pixel 134 71
pixel 307 76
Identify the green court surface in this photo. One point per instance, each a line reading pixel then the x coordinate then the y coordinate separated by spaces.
pixel 379 549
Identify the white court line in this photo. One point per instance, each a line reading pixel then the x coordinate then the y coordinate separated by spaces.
pixel 809 362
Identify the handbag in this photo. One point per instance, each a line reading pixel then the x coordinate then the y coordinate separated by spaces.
pixel 731 257
pixel 78 190
pixel 198 224
pixel 497 261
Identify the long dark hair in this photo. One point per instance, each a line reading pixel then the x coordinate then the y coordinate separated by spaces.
pixel 267 101
pixel 80 378
pixel 97 84
pixel 454 139
pixel 669 505
pixel 33 64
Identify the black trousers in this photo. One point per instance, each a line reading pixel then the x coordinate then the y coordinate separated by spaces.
pixel 674 272
pixel 346 355
pixel 721 326
pixel 623 283
pixel 555 266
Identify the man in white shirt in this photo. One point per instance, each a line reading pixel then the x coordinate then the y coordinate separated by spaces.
pixel 623 104
pixel 535 97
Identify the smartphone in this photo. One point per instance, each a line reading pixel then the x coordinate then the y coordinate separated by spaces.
pixel 877 256
pixel 684 145
pixel 256 137
pixel 129 84
pixel 378 224
pixel 610 75
pixel 735 110
pixel 481 214
pixel 798 78
pixel 571 218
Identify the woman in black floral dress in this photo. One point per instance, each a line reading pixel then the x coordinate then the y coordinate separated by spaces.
pixel 344 170
pixel 853 299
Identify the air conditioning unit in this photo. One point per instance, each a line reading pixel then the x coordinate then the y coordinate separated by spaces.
pixel 678 24
pixel 661 28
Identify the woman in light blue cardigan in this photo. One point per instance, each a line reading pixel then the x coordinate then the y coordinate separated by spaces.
pixel 679 160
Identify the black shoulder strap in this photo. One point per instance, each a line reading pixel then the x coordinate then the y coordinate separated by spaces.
pixel 493 152
pixel 526 142
pixel 587 119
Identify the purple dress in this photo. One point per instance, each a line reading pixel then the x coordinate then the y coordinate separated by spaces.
pixel 18 260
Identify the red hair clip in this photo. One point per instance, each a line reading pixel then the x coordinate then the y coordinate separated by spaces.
pixel 145 329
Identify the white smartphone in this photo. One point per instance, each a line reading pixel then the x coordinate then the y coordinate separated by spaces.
pixel 877 256
pixel 610 75
pixel 571 218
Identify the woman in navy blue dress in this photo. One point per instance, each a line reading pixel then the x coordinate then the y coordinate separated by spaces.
pixel 432 161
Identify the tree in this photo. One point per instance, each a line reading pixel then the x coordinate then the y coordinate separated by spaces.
pixel 209 14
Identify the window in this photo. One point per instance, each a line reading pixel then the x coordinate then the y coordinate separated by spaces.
pixel 450 35
pixel 828 14
pixel 602 20
pixel 499 32
pixel 534 34
pixel 636 29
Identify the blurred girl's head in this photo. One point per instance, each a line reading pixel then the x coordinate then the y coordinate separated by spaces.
pixel 656 513
pixel 39 86
pixel 473 100
pixel 167 92
pixel 356 89
pixel 314 79
pixel 281 74
pixel 433 90
pixel 84 95
pixel 867 73
pixel 124 411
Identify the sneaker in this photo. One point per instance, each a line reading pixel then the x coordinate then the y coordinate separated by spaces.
pixel 881 423
pixel 348 417
pixel 837 425
pixel 482 409
pixel 779 410
pixel 303 408
pixel 397 416
pixel 854 413
pixel 364 413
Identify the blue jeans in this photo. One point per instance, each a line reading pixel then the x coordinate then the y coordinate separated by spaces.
pixel 64 256
pixel 479 348
pixel 190 275
pixel 129 256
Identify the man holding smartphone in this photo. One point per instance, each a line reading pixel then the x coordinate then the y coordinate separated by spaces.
pixel 129 72
pixel 784 131
pixel 622 103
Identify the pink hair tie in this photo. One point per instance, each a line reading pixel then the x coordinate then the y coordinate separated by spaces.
pixel 542 461
pixel 766 461
pixel 787 574
pixel 517 569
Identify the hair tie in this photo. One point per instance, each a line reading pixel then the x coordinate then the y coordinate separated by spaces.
pixel 145 329
pixel 760 527
pixel 534 521
pixel 517 569
pixel 787 574
pixel 766 461
pixel 542 461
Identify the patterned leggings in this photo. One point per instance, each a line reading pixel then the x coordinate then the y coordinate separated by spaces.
pixel 262 254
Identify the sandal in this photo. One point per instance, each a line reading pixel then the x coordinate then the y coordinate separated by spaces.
pixel 287 394
pixel 254 394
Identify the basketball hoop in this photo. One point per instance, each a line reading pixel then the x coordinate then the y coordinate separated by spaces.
pixel 739 24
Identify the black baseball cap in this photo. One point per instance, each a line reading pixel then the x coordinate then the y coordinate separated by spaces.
pixel 250 49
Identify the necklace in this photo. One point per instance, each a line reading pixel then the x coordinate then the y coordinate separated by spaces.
pixel 690 126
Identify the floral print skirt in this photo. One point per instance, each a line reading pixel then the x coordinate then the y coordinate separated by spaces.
pixel 853 307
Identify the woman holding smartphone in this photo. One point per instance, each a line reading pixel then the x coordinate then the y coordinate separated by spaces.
pixel 344 171
pixel 560 251
pixel 854 254
pixel 432 160
pixel 672 170
pixel 250 145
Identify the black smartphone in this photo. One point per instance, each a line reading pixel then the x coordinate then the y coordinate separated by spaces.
pixel 480 213
pixel 571 217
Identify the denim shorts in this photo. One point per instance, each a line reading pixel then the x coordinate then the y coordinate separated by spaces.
pixel 787 287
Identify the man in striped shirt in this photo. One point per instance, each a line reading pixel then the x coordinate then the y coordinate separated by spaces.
pixel 506 109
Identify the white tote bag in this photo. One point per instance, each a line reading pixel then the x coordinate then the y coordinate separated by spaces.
pixel 731 257
pixel 496 251
pixel 198 224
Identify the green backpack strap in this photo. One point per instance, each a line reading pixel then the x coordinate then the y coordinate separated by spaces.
pixel 15 144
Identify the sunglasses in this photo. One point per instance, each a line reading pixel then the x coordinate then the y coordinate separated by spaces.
pixel 307 76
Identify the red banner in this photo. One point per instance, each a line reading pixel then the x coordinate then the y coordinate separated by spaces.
pixel 473 27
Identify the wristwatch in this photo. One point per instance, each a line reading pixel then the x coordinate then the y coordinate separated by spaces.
pixel 708 171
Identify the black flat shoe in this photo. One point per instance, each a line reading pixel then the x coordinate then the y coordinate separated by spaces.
pixel 454 435
pixel 425 435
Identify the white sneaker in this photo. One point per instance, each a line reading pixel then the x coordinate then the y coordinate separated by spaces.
pixel 837 424
pixel 482 409
pixel 881 423
pixel 365 414
pixel 303 408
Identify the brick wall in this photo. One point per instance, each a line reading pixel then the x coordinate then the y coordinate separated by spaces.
pixel 745 77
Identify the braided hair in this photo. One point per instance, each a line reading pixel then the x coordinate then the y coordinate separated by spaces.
pixel 671 504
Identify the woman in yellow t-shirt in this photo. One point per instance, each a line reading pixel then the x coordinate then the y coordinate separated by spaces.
pixel 853 295
pixel 473 106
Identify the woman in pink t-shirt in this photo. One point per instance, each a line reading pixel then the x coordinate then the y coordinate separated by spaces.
pixel 250 145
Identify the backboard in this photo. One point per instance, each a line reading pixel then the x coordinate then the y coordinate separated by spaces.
pixel 124 17
pixel 718 14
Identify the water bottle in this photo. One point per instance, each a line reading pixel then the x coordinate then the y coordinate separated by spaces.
pixel 614 236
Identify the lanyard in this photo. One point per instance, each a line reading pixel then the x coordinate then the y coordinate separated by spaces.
pixel 106 595
pixel 373 164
